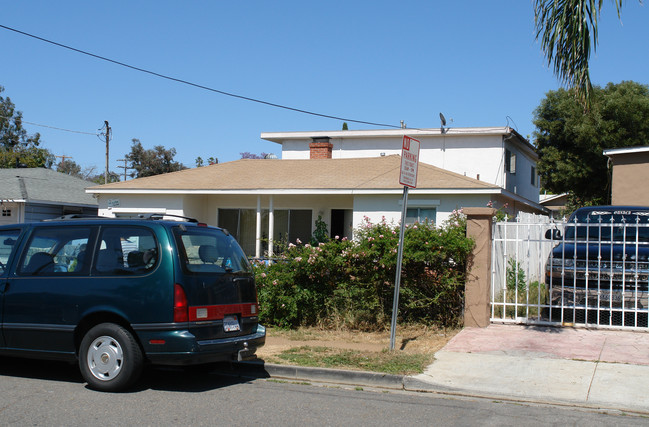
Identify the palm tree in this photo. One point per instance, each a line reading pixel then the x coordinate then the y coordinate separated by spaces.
pixel 566 29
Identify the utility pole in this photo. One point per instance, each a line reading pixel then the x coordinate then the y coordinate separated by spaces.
pixel 125 167
pixel 63 158
pixel 107 143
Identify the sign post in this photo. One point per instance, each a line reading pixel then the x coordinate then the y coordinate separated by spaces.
pixel 407 178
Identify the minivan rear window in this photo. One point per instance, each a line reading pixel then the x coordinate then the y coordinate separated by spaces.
pixel 205 250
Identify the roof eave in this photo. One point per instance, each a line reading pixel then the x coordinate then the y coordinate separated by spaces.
pixel 279 137
pixel 303 191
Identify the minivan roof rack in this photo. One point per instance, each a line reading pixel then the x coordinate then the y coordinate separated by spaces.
pixel 74 216
pixel 159 216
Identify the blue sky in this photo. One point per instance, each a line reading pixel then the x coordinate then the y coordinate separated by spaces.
pixel 376 61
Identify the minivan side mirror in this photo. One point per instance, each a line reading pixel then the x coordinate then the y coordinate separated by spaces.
pixel 553 234
pixel 9 241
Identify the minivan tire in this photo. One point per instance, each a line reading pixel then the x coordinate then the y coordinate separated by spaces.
pixel 110 358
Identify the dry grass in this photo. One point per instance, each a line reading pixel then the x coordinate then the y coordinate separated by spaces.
pixel 415 347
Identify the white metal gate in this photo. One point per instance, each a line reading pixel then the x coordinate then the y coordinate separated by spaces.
pixel 596 276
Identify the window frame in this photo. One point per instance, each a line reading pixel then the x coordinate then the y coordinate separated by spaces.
pixel 5 233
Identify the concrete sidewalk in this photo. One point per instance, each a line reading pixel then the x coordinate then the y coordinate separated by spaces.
pixel 567 366
pixel 593 368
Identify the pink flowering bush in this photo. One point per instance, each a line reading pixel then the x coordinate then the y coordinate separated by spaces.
pixel 501 213
pixel 350 283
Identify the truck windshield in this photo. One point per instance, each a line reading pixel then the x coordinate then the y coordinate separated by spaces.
pixel 208 250
pixel 608 225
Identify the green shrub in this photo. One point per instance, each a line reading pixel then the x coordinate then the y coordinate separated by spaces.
pixel 525 303
pixel 515 276
pixel 350 284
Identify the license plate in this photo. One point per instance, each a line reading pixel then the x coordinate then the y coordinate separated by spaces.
pixel 608 296
pixel 231 324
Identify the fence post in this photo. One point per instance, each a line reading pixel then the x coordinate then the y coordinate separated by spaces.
pixel 478 279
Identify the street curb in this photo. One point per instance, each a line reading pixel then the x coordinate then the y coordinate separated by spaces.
pixel 256 369
pixel 262 370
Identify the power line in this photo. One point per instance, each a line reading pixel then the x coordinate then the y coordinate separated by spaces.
pixel 271 104
pixel 50 127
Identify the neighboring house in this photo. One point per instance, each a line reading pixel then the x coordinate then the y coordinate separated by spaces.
pixel 34 194
pixel 555 203
pixel 496 155
pixel 630 175
pixel 255 199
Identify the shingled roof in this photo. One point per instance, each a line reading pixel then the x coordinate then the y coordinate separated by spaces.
pixel 372 173
pixel 44 186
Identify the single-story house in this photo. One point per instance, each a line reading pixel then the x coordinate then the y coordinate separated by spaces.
pixel 34 194
pixel 262 202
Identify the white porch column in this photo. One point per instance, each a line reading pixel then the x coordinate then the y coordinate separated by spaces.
pixel 258 231
pixel 271 227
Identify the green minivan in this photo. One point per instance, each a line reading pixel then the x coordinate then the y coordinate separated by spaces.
pixel 116 294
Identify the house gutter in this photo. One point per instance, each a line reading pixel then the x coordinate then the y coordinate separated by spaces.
pixel 306 191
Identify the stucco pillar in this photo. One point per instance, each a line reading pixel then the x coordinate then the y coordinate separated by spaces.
pixel 478 279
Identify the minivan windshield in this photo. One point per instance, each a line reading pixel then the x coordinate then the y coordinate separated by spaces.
pixel 209 250
pixel 609 225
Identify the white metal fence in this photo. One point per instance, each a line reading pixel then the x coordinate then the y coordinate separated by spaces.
pixel 591 273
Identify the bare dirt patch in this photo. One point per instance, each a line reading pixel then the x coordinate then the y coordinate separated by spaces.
pixel 409 340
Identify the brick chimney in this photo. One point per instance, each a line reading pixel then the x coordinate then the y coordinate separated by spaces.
pixel 320 148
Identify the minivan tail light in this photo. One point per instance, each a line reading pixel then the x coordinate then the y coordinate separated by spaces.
pixel 181 310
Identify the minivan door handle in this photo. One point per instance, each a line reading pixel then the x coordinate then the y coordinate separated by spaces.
pixel 3 287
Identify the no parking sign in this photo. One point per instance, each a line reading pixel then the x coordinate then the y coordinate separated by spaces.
pixel 409 162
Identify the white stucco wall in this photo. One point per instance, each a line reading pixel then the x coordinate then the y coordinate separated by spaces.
pixel 376 208
pixel 114 205
pixel 521 182
pixel 472 156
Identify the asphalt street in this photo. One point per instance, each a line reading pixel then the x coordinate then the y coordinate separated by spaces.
pixel 51 393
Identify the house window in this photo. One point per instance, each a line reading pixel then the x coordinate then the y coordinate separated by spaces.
pixel 510 162
pixel 289 226
pixel 414 215
pixel 6 212
pixel 533 177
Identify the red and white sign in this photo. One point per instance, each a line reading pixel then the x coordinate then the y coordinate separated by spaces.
pixel 409 162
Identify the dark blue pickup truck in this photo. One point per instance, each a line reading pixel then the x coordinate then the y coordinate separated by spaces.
pixel 600 264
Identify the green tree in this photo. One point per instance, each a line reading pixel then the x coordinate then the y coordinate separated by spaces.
pixel 69 167
pixel 99 178
pixel 570 142
pixel 17 148
pixel 210 161
pixel 149 162
pixel 567 30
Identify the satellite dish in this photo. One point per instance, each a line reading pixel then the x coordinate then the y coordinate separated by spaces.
pixel 443 119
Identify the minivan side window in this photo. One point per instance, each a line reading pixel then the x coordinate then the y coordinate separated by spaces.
pixel 125 251
pixel 8 240
pixel 56 251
